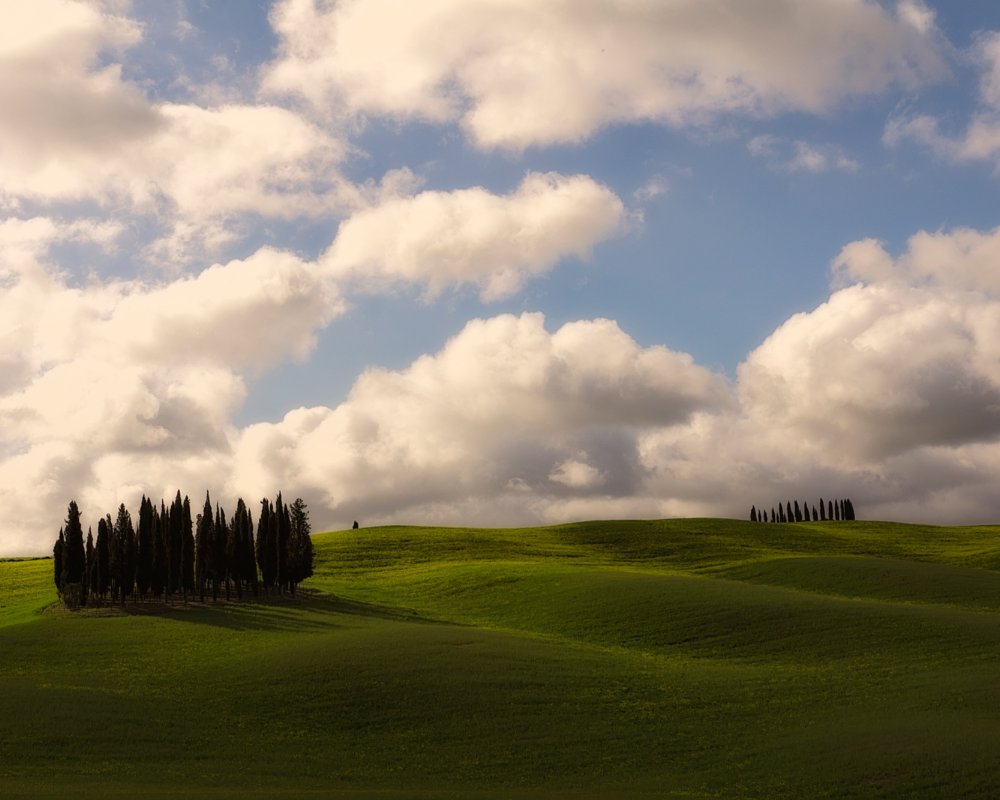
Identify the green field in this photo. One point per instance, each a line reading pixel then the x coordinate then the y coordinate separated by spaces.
pixel 681 658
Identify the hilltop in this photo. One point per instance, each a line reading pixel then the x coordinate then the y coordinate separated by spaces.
pixel 681 658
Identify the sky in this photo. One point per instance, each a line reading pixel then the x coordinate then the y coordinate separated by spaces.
pixel 499 262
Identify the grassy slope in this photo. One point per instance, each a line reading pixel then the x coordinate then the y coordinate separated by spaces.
pixel 687 658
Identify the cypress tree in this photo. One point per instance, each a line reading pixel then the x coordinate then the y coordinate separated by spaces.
pixel 74 561
pixel 849 506
pixel 781 513
pixel 822 510
pixel 798 512
pixel 790 516
pixel 88 568
pixel 836 511
pixel 144 548
pixel 265 546
pixel 103 559
pixel 773 517
pixel 815 516
pixel 94 570
pixel 753 513
pixel 282 531
pixel 300 549
pixel 173 545
pixel 158 576
pixel 187 549
pixel 251 556
pixel 207 538
pixel 235 547
pixel 221 556
pixel 125 534
pixel 829 510
pixel 203 548
pixel 57 557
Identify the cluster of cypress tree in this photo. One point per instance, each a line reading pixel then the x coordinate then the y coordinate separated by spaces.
pixel 833 510
pixel 167 554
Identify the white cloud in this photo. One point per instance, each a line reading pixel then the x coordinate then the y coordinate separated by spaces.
pixel 520 74
pixel 981 139
pixel 107 386
pixel 73 129
pixel 504 411
pixel 577 474
pixel 795 155
pixel 888 393
pixel 497 242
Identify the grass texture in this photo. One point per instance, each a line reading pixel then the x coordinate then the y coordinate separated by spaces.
pixel 675 659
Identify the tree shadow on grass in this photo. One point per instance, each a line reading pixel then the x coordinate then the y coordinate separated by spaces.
pixel 308 610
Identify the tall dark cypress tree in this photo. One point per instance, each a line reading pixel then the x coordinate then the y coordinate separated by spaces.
pixel 74 558
pixel 282 531
pixel 829 510
pixel 790 516
pixel 103 559
pixel 103 581
pixel 251 557
pixel 144 548
pixel 125 534
pixel 798 512
pixel 822 510
pixel 158 578
pixel 202 547
pixel 57 557
pixel 220 544
pixel 266 545
pixel 94 570
pixel 773 517
pixel 836 511
pixel 235 548
pixel 849 506
pixel 300 547
pixel 753 513
pixel 88 567
pixel 187 549
pixel 815 516
pixel 173 545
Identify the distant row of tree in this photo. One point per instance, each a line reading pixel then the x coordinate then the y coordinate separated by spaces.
pixel 165 554
pixel 834 510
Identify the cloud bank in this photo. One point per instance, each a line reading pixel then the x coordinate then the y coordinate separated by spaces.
pixel 517 75
pixel 118 382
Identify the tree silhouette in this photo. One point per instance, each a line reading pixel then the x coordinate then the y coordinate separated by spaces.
pixel 74 558
pixel 103 583
pixel 300 548
pixel 57 557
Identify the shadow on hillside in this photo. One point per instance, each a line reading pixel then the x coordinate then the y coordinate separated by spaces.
pixel 308 610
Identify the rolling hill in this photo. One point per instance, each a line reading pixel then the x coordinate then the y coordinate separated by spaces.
pixel 677 658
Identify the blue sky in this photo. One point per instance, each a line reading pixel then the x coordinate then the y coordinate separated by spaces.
pixel 500 263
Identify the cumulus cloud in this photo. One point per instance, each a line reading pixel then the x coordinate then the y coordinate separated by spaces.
pixel 497 242
pixel 889 393
pixel 507 413
pixel 73 129
pixel 107 384
pixel 517 75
